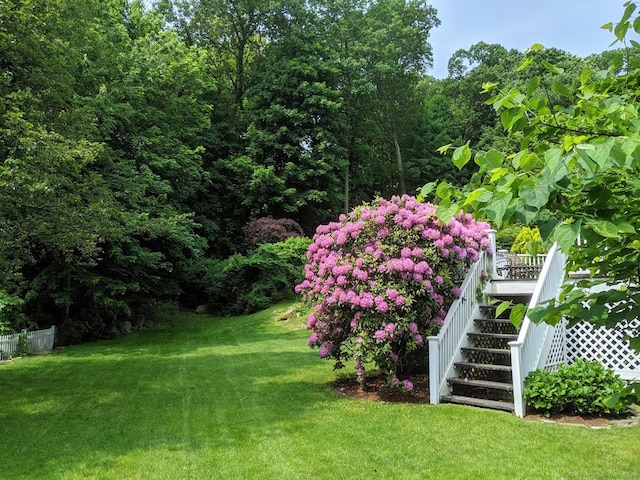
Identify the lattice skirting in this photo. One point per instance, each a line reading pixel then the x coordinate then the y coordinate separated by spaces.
pixel 604 345
pixel 558 351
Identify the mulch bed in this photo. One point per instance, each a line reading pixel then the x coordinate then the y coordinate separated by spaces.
pixel 377 389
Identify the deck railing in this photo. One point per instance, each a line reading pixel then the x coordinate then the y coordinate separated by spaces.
pixel 518 266
pixel 444 348
pixel 530 350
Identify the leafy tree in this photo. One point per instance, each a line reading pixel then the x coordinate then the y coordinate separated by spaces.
pixel 295 118
pixel 100 138
pixel 575 175
pixel 382 49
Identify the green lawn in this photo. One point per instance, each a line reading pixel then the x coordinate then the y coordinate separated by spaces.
pixel 236 398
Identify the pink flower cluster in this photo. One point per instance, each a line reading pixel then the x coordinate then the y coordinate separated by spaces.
pixel 382 278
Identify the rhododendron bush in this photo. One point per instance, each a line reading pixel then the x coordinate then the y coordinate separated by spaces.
pixel 381 280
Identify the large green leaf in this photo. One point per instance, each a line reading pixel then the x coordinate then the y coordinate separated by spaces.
pixel 461 156
pixel 547 227
pixel 498 207
pixel 552 156
pixel 552 68
pixel 605 228
pixel 533 84
pixel 561 89
pixel 567 234
pixel 446 211
pixel 535 194
pixel 601 153
pixel 527 61
pixel 427 189
pixel 494 159
pixel 625 227
pixel 477 194
pixel 517 314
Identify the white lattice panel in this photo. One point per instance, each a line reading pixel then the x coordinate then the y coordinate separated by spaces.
pixel 557 352
pixel 606 346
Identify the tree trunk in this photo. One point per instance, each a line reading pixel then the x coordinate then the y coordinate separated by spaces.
pixel 399 160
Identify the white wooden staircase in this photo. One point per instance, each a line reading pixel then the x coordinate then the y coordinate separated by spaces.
pixel 483 377
pixel 478 359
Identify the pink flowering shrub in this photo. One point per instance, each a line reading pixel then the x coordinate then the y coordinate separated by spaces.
pixel 381 280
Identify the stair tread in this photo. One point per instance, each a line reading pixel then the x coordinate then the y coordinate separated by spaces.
pixel 512 336
pixel 478 402
pixel 484 366
pixel 494 307
pixel 498 351
pixel 482 383
pixel 503 321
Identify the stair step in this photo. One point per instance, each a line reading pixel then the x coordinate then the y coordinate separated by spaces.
pixel 505 336
pixel 484 366
pixel 501 321
pixel 501 326
pixel 478 402
pixel 491 310
pixel 496 351
pixel 481 383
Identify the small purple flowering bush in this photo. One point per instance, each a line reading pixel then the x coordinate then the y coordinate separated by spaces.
pixel 382 279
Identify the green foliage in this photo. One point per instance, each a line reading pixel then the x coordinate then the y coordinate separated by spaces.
pixel 24 348
pixel 10 313
pixel 573 172
pixel 584 387
pixel 506 236
pixel 136 139
pixel 246 284
pixel 528 241
pixel 100 162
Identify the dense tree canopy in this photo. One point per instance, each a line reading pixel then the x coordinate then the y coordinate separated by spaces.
pixel 137 141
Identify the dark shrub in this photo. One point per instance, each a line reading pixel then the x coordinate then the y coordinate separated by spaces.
pixel 259 231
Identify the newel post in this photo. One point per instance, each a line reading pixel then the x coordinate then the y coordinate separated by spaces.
pixel 434 370
pixel 518 380
pixel 492 249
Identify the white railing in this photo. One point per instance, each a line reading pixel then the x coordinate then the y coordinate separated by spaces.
pixel 529 352
pixel 444 348
pixel 40 341
pixel 523 258
pixel 514 266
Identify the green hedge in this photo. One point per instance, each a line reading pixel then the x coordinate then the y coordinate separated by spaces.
pixel 584 387
pixel 248 283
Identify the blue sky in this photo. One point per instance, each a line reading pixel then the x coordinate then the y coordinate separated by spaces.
pixel 571 25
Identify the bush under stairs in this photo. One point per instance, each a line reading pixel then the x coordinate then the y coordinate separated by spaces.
pixel 484 373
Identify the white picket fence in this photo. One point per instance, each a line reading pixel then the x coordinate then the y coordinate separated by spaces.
pixel 40 341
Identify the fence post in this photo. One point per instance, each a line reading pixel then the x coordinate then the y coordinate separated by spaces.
pixel 492 249
pixel 434 370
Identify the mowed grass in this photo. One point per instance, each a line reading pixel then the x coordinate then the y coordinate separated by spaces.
pixel 244 398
